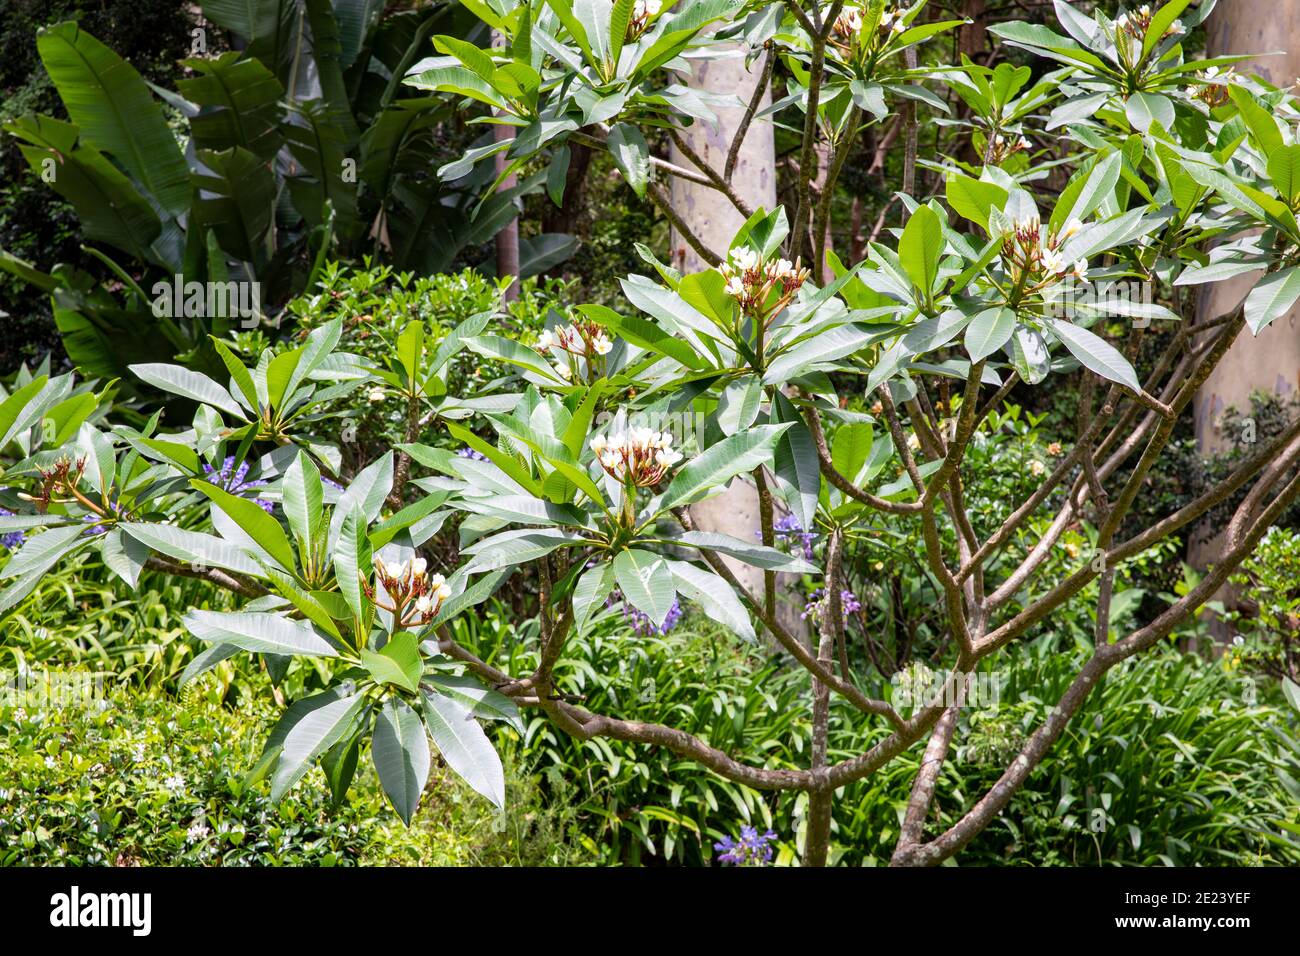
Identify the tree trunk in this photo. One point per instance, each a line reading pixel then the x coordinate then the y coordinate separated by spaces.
pixel 1269 361
pixel 712 217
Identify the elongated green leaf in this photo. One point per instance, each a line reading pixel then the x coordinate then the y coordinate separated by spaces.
pixel 631 155
pixel 760 556
pixel 1095 353
pixel 464 746
pixel 715 596
pixel 400 750
pixel 193 547
pixel 1272 297
pixel 256 523
pixel 194 385
pixel 258 631
pixel 397 663
pixel 483 702
pixel 303 502
pixel 921 247
pixel 312 731
pixel 989 331
pixel 730 457
pixel 646 583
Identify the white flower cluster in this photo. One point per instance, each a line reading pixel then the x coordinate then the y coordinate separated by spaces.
pixel 639 456
pixel 642 13
pixel 750 281
pixel 849 23
pixel 1043 260
pixel 581 340
pixel 408 583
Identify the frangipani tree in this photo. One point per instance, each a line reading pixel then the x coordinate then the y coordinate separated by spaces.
pixel 575 472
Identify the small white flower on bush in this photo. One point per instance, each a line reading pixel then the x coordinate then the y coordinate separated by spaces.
pixel 640 456
pixel 417 596
pixel 751 282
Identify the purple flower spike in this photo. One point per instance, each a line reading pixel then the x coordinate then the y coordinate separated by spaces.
pixel 12 540
pixel 816 605
pixel 752 849
pixel 233 480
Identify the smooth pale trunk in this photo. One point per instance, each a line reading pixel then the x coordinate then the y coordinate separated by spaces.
pixel 1270 361
pixel 712 217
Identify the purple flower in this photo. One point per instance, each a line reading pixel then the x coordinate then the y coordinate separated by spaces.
pixel 11 539
pixel 752 849
pixel 233 480
pixel 97 525
pixel 641 623
pixel 789 531
pixel 471 454
pixel 817 604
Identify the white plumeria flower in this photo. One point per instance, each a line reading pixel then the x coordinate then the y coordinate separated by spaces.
pixel 544 341
pixel 1053 262
pixel 1036 468
pixel 602 344
pixel 1071 228
pixel 1081 269
pixel 1024 143
pixel 424 604
pixel 376 395
pixel 418 565
pixel 744 258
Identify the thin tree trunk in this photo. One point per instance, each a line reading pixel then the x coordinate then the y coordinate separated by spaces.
pixel 713 218
pixel 1270 361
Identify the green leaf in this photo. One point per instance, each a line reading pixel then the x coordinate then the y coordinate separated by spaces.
pixel 715 596
pixel 989 331
pixel 1258 120
pixel 483 702
pixel 631 155
pixel 646 583
pixel 516 547
pixel 193 385
pixel 758 555
pixel 352 559
pixel 398 663
pixel 310 728
pixel 400 750
pixel 1095 353
pixel 589 594
pixel 42 551
pixel 107 99
pixel 1146 109
pixel 303 503
pixel 730 457
pixel 851 449
pixel 193 547
pixel 794 461
pixel 410 348
pixel 258 631
pixel 464 746
pixel 1086 191
pixel 1161 21
pixel 920 248
pixel 253 521
pixel 1284 170
pixel 739 404
pixel 1272 298
pixel 972 199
